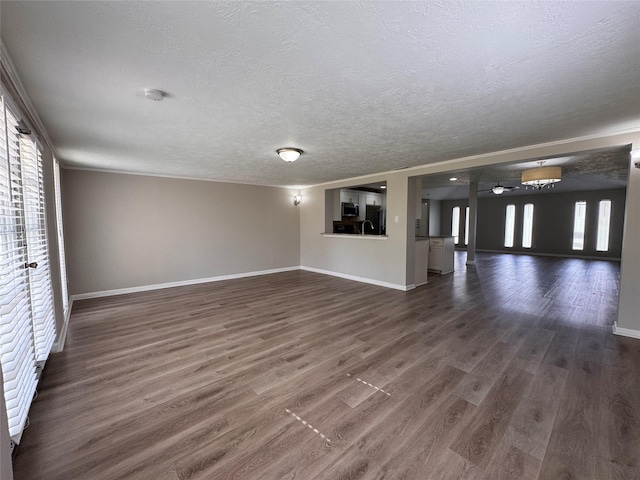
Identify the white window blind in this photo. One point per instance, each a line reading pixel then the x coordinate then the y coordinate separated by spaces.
pixel 509 225
pixel 37 248
pixel 466 227
pixel 455 224
pixel 16 338
pixel 579 221
pixel 604 222
pixel 527 225
pixel 27 324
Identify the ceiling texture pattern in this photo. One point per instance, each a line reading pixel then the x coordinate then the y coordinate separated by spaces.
pixel 361 87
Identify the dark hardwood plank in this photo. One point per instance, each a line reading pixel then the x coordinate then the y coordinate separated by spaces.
pixel 508 370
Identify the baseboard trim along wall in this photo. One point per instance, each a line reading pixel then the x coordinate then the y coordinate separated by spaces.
pixel 58 346
pixel 355 278
pixel 540 254
pixel 625 332
pixel 182 283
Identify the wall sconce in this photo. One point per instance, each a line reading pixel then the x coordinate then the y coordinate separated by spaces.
pixel 297 199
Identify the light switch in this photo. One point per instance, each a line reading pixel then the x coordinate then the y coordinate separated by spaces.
pixel 397 219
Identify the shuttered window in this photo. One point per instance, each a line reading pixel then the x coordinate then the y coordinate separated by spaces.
pixel 27 324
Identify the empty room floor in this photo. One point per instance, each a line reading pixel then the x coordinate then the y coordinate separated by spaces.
pixel 506 370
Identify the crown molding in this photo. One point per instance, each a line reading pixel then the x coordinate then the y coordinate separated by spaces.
pixel 23 100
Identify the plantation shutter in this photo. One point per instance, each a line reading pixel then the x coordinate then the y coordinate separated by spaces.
pixel 37 249
pixel 17 353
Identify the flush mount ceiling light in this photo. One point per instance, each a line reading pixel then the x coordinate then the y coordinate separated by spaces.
pixel 155 95
pixel 289 154
pixel 453 179
pixel 541 177
pixel 383 186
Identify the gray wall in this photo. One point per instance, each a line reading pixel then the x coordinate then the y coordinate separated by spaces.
pixel 380 261
pixel 552 222
pixel 126 231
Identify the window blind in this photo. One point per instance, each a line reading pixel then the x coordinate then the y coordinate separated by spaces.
pixel 27 323
pixel 40 289
pixel 17 353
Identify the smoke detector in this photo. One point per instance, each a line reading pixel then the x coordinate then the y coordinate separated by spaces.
pixel 155 95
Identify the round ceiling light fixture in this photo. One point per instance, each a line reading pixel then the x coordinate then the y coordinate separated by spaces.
pixel 155 95
pixel 289 154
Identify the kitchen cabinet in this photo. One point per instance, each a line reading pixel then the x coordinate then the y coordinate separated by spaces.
pixel 373 199
pixel 441 251
pixel 421 258
pixel 349 196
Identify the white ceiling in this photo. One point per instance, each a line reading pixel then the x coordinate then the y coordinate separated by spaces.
pixel 361 87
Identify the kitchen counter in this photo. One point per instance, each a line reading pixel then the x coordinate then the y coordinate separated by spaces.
pixel 355 235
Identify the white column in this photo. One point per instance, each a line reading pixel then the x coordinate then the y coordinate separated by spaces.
pixel 629 301
pixel 473 216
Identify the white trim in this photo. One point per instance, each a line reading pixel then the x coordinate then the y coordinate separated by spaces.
pixel 625 332
pixel 355 278
pixel 354 235
pixel 58 345
pixel 417 285
pixel 174 177
pixel 182 283
pixel 16 83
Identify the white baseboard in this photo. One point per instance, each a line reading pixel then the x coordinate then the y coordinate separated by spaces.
pixel 625 332
pixel 182 283
pixel 539 254
pixel 355 278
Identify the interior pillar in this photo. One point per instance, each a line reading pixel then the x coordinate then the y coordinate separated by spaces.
pixel 628 323
pixel 473 216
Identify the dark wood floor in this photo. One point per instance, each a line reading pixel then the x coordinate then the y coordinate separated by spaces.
pixel 508 370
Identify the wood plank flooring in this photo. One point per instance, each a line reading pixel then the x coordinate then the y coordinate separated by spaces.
pixel 507 370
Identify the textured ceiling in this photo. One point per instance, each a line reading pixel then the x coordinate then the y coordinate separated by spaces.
pixel 592 170
pixel 361 87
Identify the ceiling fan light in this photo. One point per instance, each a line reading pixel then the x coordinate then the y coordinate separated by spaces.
pixel 289 154
pixel 498 189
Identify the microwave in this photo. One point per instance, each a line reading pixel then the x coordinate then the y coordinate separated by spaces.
pixel 350 209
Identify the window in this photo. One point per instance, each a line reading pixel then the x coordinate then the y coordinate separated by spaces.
pixel 527 225
pixel 466 227
pixel 455 224
pixel 579 220
pixel 60 234
pixel 27 324
pixel 604 221
pixel 509 225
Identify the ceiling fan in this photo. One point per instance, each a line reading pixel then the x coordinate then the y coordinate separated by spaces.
pixel 499 189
